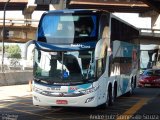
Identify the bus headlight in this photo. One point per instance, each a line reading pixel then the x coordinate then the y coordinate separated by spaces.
pixel 40 91
pixel 35 89
pixel 90 90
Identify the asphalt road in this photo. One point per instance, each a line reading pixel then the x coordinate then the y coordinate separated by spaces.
pixel 143 105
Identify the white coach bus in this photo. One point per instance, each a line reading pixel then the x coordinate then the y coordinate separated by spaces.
pixel 83 58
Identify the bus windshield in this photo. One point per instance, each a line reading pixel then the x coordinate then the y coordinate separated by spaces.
pixel 67 28
pixel 59 67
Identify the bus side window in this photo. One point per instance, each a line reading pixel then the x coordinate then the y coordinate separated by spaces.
pixel 100 67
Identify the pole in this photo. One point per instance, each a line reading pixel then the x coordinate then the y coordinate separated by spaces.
pixel 67 2
pixel 3 38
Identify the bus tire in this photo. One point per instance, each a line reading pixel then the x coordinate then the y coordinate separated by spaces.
pixel 114 93
pixel 135 82
pixel 109 98
pixel 130 93
pixel 106 104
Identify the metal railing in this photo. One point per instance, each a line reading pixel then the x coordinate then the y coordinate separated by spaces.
pixel 20 22
pixel 150 32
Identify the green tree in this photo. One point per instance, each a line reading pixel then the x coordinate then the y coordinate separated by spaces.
pixel 13 51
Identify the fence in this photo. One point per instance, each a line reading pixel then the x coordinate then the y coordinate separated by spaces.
pixel 150 32
pixel 13 75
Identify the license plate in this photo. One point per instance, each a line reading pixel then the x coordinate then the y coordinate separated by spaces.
pixel 147 85
pixel 61 102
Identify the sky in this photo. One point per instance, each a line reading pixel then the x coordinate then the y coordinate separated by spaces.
pixel 18 14
pixel 134 19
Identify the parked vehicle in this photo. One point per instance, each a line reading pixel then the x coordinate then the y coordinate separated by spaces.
pixel 149 56
pixel 150 77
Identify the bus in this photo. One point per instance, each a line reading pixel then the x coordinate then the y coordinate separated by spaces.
pixel 83 58
pixel 149 56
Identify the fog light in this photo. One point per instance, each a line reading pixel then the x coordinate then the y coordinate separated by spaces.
pixel 36 98
pixel 89 99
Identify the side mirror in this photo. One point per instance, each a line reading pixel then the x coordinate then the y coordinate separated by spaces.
pixel 26 48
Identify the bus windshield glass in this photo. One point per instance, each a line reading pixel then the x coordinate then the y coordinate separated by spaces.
pixel 67 28
pixel 58 67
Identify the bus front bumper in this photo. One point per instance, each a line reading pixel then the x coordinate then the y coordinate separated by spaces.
pixel 88 100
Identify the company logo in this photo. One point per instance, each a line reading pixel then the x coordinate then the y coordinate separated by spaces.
pixel 80 45
pixel 73 88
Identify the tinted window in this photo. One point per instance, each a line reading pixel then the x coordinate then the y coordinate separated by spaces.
pixel 152 73
pixel 67 28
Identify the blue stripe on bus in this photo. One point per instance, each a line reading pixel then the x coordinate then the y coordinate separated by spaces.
pixel 69 47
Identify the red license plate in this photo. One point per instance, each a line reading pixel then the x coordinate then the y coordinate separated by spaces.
pixel 61 102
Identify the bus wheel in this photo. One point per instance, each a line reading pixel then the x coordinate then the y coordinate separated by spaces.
pixel 114 93
pixel 111 97
pixel 108 100
pixel 131 90
pixel 106 104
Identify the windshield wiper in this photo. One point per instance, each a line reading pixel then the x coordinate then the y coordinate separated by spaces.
pixel 43 80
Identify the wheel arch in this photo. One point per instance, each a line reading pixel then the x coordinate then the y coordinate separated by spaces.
pixel 115 87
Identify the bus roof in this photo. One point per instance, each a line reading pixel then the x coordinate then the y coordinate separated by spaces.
pixel 77 11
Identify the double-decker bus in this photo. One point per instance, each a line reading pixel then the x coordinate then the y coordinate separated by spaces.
pixel 83 58
pixel 149 56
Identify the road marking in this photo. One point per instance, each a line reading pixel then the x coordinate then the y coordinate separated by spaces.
pixel 31 105
pixel 130 112
pixel 4 105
